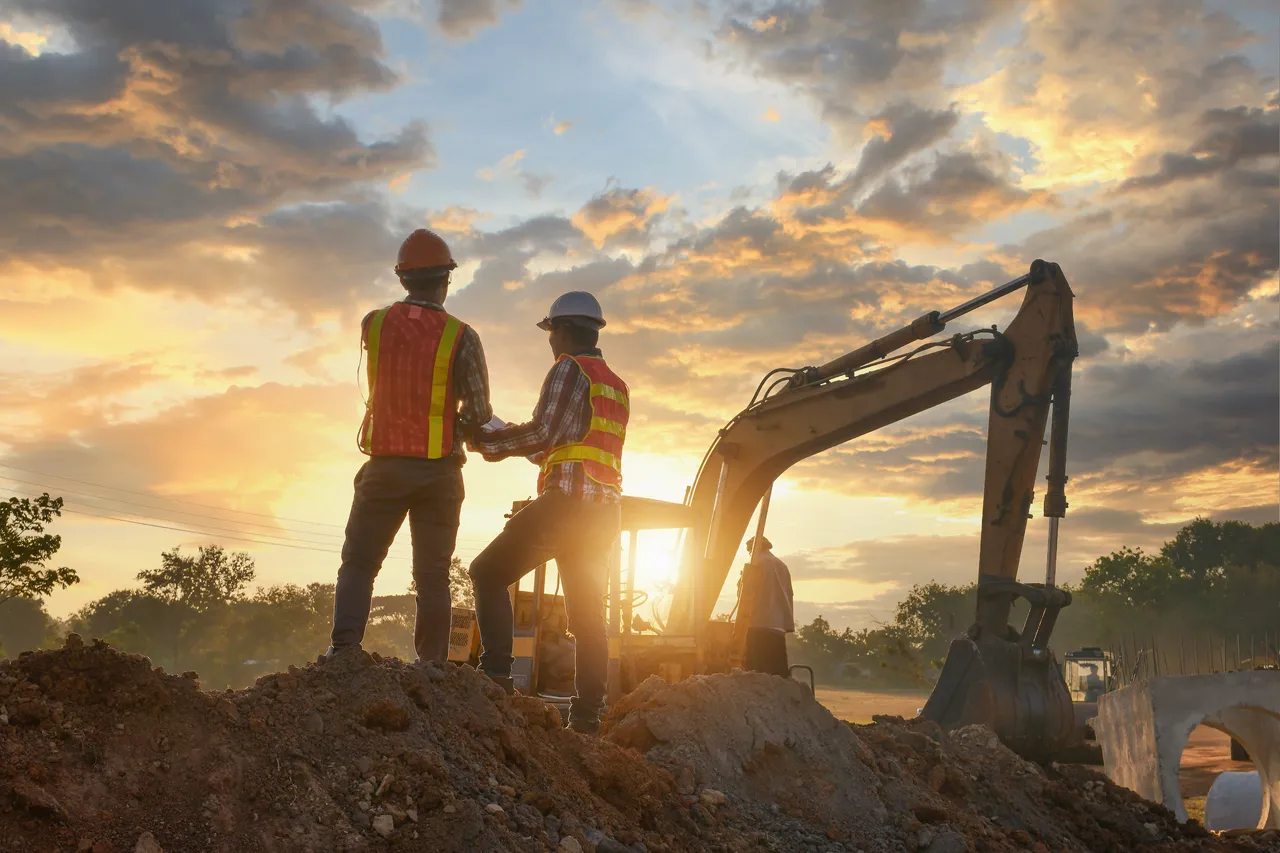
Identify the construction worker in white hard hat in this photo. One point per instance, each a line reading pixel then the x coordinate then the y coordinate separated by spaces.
pixel 576 436
pixel 428 392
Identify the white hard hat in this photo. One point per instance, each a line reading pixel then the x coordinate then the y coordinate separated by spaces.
pixel 576 305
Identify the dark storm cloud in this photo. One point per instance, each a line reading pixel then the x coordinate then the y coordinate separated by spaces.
pixel 1144 423
pixel 959 191
pixel 1230 137
pixel 168 120
pixel 854 56
pixel 1193 416
pixel 905 129
pixel 911 129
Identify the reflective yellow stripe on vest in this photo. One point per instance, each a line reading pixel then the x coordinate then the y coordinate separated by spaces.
pixel 440 387
pixel 372 339
pixel 579 453
pixel 606 425
pixel 599 390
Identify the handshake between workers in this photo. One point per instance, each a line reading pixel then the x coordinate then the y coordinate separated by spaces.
pixel 428 389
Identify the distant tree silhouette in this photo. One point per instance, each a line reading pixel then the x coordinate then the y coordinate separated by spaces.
pixel 25 548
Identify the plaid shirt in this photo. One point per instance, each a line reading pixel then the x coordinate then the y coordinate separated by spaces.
pixel 562 416
pixel 470 380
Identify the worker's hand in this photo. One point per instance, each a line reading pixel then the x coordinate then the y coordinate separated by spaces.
pixel 494 423
pixel 491 457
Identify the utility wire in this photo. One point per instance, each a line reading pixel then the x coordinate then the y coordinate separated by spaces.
pixel 208 532
pixel 203 532
pixel 208 529
pixel 403 559
pixel 110 499
pixel 174 500
pixel 158 508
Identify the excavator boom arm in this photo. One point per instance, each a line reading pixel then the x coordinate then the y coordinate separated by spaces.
pixel 751 453
pixel 827 409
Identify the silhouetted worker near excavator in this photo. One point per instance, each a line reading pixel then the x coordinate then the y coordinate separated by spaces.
pixel 576 437
pixel 772 614
pixel 428 391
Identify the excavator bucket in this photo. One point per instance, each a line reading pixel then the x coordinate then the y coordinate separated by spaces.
pixel 1010 683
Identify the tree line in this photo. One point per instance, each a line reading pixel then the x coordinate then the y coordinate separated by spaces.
pixel 194 612
pixel 198 611
pixel 1219 579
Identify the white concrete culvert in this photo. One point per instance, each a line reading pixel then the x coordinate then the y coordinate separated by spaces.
pixel 1143 729
pixel 1234 801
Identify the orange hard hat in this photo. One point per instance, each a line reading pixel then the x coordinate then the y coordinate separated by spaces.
pixel 424 250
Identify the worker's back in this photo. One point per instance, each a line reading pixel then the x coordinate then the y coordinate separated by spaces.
pixel 412 399
pixel 774 605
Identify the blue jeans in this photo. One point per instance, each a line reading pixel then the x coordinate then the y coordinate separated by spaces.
pixel 580 536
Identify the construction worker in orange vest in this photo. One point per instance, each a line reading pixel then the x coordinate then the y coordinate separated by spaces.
pixel 428 391
pixel 576 437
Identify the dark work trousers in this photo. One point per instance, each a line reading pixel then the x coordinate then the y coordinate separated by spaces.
pixel 767 651
pixel 580 536
pixel 387 488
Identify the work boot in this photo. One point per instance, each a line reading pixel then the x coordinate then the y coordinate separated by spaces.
pixel 504 681
pixel 335 651
pixel 589 726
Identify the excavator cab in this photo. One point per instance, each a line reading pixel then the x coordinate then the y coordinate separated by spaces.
pixel 1088 673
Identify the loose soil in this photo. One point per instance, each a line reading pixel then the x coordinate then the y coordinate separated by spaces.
pixel 101 753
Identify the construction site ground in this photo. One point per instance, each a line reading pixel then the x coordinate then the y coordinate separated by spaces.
pixel 861 706
pixel 1207 754
pixel 101 752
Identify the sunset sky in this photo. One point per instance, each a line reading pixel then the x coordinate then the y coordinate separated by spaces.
pixel 200 200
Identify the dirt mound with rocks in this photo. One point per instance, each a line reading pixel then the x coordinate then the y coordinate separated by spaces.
pixel 892 785
pixel 99 752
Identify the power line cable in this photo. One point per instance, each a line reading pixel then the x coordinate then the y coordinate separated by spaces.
pixel 109 499
pixel 207 526
pixel 173 500
pixel 204 533
pixel 209 533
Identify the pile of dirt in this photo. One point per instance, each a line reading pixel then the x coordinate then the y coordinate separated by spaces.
pixel 892 785
pixel 100 752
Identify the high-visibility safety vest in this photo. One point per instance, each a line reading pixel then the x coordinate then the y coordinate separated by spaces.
pixel 600 450
pixel 412 404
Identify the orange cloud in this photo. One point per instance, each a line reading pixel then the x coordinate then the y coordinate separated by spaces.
pixel 506 166
pixel 620 217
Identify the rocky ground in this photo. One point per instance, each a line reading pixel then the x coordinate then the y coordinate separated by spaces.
pixel 100 752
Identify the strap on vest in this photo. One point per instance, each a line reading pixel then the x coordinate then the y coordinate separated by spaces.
pixel 605 425
pixel 599 389
pixel 372 339
pixel 581 453
pixel 440 387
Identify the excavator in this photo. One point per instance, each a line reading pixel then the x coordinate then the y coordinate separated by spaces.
pixel 995 674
